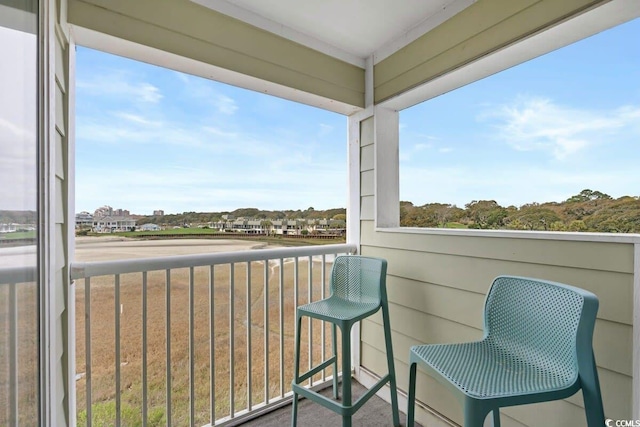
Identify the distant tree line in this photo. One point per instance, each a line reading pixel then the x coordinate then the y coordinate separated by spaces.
pixel 591 211
pixel 18 217
pixel 248 213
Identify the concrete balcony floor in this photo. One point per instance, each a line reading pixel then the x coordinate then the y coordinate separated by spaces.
pixel 375 412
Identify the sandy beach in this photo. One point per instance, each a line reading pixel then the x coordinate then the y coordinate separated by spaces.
pixel 111 248
pixel 89 248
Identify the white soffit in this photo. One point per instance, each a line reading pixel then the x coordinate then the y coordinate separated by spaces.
pixel 350 30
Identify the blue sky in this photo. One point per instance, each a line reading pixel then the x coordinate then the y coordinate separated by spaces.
pixel 541 131
pixel 150 138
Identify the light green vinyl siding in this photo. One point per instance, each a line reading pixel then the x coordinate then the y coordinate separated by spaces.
pixel 437 285
pixel 480 29
pixel 190 30
pixel 367 177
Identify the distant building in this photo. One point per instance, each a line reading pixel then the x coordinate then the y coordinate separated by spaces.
pixel 110 224
pixel 107 210
pixel 103 211
pixel 279 226
pixel 8 228
pixel 149 227
pixel 159 212
pixel 121 212
pixel 84 220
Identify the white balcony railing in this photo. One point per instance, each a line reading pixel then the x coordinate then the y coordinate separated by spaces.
pixel 18 312
pixel 221 324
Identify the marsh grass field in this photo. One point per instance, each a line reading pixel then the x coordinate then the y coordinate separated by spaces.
pixel 249 297
pixel 27 353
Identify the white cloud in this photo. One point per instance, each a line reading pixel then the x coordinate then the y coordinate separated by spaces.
pixel 540 124
pixel 445 150
pixel 220 132
pixel 205 92
pixel 325 129
pixel 135 118
pixel 224 104
pixel 16 131
pixel 119 84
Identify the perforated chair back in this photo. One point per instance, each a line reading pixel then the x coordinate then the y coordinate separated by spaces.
pixel 358 279
pixel 536 322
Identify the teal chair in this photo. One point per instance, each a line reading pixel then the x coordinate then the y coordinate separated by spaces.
pixel 358 290
pixel 536 348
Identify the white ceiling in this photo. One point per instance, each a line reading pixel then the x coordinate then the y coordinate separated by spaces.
pixel 351 30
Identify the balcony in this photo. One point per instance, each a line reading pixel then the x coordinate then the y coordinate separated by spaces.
pixel 149 331
pixel 171 340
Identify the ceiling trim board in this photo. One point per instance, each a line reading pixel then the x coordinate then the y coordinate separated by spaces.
pixel 596 20
pixel 117 46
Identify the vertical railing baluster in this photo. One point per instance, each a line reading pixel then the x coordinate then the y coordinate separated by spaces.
pixel 322 296
pixel 144 350
pixel 266 331
pixel 168 338
pixel 309 296
pixel 117 349
pixel 231 340
pixel 281 290
pixel 212 354
pixel 87 351
pixel 13 355
pixel 296 301
pixel 249 367
pixel 192 349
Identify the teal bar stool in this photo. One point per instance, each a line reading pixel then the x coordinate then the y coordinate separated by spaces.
pixel 358 290
pixel 537 347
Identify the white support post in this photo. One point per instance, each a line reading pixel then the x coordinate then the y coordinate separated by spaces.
pixel 353 218
pixel 635 406
pixel 387 168
pixel 353 176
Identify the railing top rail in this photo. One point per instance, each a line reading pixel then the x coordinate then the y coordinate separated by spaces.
pixel 17 274
pixel 101 268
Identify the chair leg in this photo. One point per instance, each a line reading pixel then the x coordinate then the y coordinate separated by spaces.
pixel 496 417
pixel 391 365
pixel 474 414
pixel 594 410
pixel 335 363
pixel 296 372
pixel 346 373
pixel 411 398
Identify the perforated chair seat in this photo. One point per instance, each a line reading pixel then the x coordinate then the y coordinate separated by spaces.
pixel 335 308
pixel 537 347
pixel 484 370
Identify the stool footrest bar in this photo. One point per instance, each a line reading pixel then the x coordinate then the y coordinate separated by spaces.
pixel 320 367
